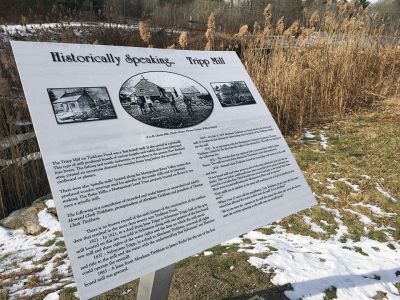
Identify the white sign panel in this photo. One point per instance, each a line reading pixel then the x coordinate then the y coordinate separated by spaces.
pixel 153 155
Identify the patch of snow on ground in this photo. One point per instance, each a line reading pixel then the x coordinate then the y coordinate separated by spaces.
pixel 318 181
pixel 65 268
pixel 52 296
pixel 323 141
pixel 5 234
pixel 28 28
pixel 354 187
pixel 207 253
pixel 50 203
pixel 314 227
pixel 48 221
pixel 380 189
pixel 331 197
pixel 362 218
pixel 366 177
pixel 331 185
pixel 376 210
pixel 23 252
pixel 34 290
pixel 17 242
pixel 309 134
pixel 324 222
pixel 126 292
pixel 311 266
pixel 235 240
pixel 342 229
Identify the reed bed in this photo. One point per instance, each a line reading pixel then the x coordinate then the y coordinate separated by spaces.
pixel 335 61
pixel 340 62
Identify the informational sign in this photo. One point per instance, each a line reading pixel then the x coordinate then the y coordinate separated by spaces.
pixel 153 155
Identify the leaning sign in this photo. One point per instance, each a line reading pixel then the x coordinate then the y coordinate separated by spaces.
pixel 153 155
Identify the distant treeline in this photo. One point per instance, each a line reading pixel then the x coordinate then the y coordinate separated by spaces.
pixel 176 13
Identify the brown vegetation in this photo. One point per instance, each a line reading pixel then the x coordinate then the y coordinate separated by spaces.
pixel 335 61
pixel 340 62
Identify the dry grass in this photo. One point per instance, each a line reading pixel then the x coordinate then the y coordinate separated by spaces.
pixel 335 62
pixel 183 39
pixel 352 150
pixel 144 32
pixel 339 63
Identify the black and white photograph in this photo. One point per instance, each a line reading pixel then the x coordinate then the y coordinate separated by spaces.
pixel 233 93
pixel 81 104
pixel 166 100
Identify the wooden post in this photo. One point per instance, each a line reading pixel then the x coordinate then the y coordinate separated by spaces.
pixel 155 286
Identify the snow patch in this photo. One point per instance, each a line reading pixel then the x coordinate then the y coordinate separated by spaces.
pixel 342 229
pixel 324 222
pixel 23 252
pixel 126 292
pixel 314 227
pixel 311 266
pixel 48 221
pixel 331 197
pixel 380 189
pixel 52 296
pixel 331 185
pixel 354 187
pixel 323 141
pixel 318 181
pixel 27 29
pixel 208 253
pixel 309 134
pixel 235 240
pixel 376 210
pixel 362 218
pixel 50 203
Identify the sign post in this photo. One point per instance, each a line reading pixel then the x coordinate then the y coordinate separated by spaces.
pixel 152 156
pixel 155 286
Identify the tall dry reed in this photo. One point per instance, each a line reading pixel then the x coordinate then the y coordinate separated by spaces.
pixel 210 33
pixel 22 175
pixel 183 39
pixel 340 62
pixel 144 32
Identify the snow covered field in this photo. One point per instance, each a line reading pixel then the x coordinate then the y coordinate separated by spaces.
pixel 357 270
pixel 34 264
pixel 312 266
pixel 27 29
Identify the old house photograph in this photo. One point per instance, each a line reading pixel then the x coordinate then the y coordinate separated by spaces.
pixel 81 104
pixel 166 100
pixel 233 93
